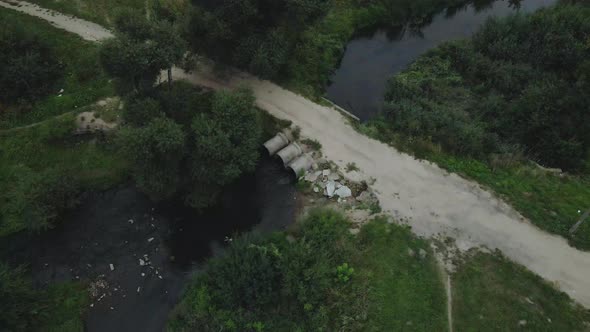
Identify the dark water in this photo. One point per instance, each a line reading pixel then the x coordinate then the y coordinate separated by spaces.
pixel 172 238
pixel 359 84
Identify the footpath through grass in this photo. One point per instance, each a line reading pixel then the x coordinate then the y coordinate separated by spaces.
pixel 83 81
pixel 491 293
pixel 99 11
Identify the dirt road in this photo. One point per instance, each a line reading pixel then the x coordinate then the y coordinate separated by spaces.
pixel 430 199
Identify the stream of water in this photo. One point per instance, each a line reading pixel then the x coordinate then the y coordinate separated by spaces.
pixel 370 60
pixel 139 255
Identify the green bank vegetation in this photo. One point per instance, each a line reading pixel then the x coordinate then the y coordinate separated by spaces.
pixel 318 277
pixel 38 61
pixel 517 91
pixel 490 293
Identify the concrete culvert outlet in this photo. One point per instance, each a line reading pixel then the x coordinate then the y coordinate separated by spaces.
pixel 300 165
pixel 276 143
pixel 289 153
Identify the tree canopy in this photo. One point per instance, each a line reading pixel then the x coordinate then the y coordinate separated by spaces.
pixel 141 50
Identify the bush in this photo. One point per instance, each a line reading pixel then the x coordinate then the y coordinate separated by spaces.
pixel 156 151
pixel 273 284
pixel 35 200
pixel 518 85
pixel 29 68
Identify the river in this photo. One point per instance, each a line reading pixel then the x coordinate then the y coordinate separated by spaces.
pixel 370 60
pixel 138 255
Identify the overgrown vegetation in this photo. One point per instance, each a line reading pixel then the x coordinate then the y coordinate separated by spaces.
pixel 484 107
pixel 491 293
pixel 31 82
pixel 42 169
pixel 317 278
pixel 59 308
pixel 141 50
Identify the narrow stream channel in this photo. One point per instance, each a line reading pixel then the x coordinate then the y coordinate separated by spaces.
pixel 360 82
pixel 140 255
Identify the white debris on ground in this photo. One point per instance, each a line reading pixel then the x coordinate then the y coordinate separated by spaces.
pixel 355 197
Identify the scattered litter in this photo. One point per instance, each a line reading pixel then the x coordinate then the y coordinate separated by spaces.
pixel 112 267
pixel 142 274
pixel 130 221
pixel 150 239
pixel 112 308
pixel 316 189
pixel 91 305
pixel 61 91
pixel 141 262
pixel 326 172
pixel 159 276
pixel 138 289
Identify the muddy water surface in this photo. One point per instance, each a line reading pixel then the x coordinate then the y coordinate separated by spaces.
pixel 121 226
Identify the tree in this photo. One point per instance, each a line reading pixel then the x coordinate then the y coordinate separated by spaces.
pixel 156 151
pixel 141 50
pixel 28 66
pixel 224 143
pixel 35 200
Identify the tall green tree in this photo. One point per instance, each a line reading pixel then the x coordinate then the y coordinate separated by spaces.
pixel 224 142
pixel 157 151
pixel 141 50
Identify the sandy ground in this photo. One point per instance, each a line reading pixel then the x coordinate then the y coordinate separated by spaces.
pixel 431 200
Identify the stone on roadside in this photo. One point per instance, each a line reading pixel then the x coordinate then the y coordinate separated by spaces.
pixel 422 253
pixel 354 231
pixel 334 177
pixel 330 188
pixel 312 176
pixel 343 192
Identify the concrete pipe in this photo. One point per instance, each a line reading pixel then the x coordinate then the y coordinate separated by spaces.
pixel 276 143
pixel 289 153
pixel 300 165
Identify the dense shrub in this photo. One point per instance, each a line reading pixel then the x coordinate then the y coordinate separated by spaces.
pixel 271 284
pixel 520 84
pixel 213 138
pixel 28 66
pixel 35 200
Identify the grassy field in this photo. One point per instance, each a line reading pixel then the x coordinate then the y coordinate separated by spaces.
pixel 99 11
pixel 492 294
pixel 83 83
pixel 406 291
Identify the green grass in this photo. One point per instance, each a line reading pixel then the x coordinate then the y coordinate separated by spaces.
pixel 99 11
pixel 50 144
pixel 329 280
pixel 406 292
pixel 491 293
pixel 83 82
pixel 67 303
